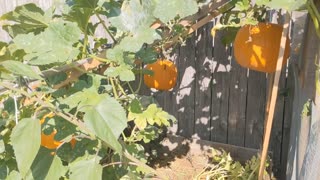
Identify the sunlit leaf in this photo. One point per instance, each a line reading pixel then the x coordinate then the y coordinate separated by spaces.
pixel 46 166
pixel 107 119
pixel 135 14
pixel 167 10
pixel 26 134
pixel 19 68
pixel 86 169
pixel 53 45
pixel 28 18
pixel 134 43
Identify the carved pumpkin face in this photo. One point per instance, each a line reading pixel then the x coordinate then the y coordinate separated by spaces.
pixel 257 47
pixel 164 75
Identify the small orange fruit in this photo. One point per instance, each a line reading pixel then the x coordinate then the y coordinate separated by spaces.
pixel 164 75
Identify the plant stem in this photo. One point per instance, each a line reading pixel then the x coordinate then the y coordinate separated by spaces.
pixel 140 80
pixel 105 27
pixel 121 89
pixel 48 105
pixel 114 88
pixel 119 163
pixel 85 41
pixel 130 87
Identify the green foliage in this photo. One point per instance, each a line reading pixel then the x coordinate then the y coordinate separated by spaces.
pixel 26 128
pixel 54 45
pixel 223 166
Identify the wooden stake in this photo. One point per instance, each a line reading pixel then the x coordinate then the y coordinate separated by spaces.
pixel 273 98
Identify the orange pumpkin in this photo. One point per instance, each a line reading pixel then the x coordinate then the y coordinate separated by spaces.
pixel 164 75
pixel 48 141
pixel 257 47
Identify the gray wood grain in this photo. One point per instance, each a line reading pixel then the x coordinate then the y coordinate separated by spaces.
pixel 255 112
pixel 297 34
pixel 186 92
pixel 220 90
pixel 203 79
pixel 237 104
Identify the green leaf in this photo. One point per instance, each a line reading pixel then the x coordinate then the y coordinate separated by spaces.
pixel 81 11
pixel 19 68
pixel 123 71
pixel 54 45
pixel 167 10
pixel 107 119
pixel 151 115
pixel 46 166
pixel 86 169
pixel 135 106
pixel 147 55
pixel 135 14
pixel 28 18
pixel 26 134
pixel 135 42
pixel 14 175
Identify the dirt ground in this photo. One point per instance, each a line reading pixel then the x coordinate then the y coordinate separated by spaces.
pixel 176 160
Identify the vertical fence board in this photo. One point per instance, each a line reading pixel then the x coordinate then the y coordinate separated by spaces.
pixel 276 132
pixel 170 97
pixel 203 79
pixel 237 104
pixel 220 90
pixel 255 109
pixel 185 94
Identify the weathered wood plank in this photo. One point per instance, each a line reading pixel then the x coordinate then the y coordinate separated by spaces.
pixel 255 112
pixel 185 94
pixel 170 97
pixel 220 90
pixel 276 132
pixel 237 104
pixel 304 77
pixel 203 79
pixel 297 34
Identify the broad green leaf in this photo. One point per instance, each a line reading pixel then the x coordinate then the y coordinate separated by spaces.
pixel 81 11
pixel 135 106
pixel 147 55
pixel 54 45
pixel 19 68
pixel 3 169
pixel 28 18
pixel 86 169
pixel 135 14
pixel 116 54
pixel 134 43
pixel 46 166
pixel 112 8
pixel 151 115
pixel 123 71
pixel 167 10
pixel 26 134
pixel 107 119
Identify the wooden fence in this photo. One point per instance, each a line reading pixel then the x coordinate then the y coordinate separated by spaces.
pixel 215 99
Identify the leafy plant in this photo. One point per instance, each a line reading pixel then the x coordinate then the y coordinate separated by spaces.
pixel 222 166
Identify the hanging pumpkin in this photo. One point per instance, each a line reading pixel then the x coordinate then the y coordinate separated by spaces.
pixel 257 47
pixel 164 75
pixel 48 141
